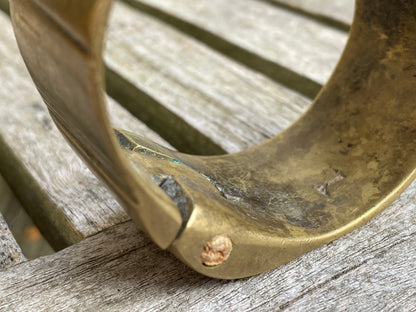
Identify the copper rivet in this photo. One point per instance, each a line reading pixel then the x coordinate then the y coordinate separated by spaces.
pixel 216 250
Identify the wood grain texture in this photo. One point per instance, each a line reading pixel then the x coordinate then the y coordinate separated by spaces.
pixel 65 200
pixel 285 38
pixel 341 11
pixel 231 105
pixel 370 269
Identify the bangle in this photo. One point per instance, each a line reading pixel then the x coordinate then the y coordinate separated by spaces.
pixel 347 158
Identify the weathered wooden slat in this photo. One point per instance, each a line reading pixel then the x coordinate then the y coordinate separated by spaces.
pixel 370 269
pixel 10 252
pixel 293 41
pixel 63 198
pixel 230 105
pixel 337 13
pixel 119 269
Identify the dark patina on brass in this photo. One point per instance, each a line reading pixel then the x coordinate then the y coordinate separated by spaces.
pixel 347 158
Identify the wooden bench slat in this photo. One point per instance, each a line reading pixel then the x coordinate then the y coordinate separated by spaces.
pixel 341 11
pixel 230 105
pixel 370 269
pixel 61 195
pixel 65 200
pixel 294 41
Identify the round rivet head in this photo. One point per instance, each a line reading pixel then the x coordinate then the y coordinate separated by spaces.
pixel 216 250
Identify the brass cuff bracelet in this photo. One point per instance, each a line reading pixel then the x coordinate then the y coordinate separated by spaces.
pixel 348 157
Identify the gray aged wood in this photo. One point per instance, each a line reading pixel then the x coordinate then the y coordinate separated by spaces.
pixel 4 5
pixel 210 92
pixel 66 201
pixel 296 42
pixel 341 11
pixel 371 269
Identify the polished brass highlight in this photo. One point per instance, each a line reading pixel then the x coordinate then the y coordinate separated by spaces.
pixel 347 158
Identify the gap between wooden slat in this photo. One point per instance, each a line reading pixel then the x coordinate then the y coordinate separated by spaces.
pixel 61 195
pixel 273 70
pixel 230 106
pixel 30 241
pixel 315 15
pixel 4 6
pixel 341 11
pixel 43 211
pixel 157 117
pixel 305 47
pixel 10 252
